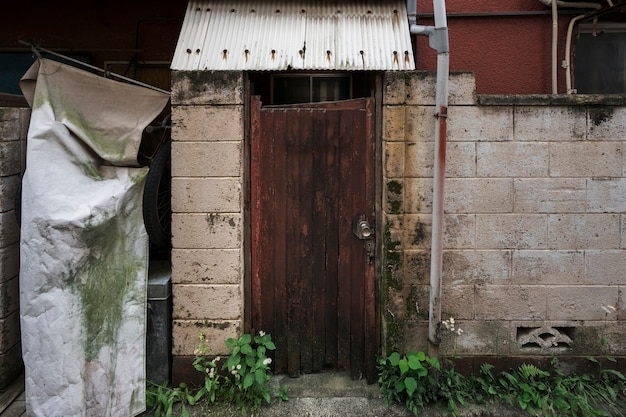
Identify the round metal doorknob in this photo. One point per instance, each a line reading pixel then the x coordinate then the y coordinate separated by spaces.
pixel 365 229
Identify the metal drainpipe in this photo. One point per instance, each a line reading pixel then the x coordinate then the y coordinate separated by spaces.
pixel 438 40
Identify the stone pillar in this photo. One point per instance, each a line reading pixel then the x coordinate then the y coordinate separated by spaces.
pixel 207 209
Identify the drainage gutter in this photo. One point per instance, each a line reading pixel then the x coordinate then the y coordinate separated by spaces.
pixel 438 40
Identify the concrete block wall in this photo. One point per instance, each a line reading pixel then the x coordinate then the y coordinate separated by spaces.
pixel 207 209
pixel 535 232
pixel 13 129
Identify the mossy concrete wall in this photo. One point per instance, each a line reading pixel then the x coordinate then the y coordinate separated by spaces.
pixel 13 129
pixel 535 224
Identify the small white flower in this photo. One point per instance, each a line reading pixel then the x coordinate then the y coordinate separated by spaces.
pixel 239 366
pixel 608 309
pixel 217 359
pixel 267 361
pixel 261 333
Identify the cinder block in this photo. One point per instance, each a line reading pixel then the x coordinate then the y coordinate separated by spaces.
pixel 462 267
pixel 479 195
pixel 394 123
pixel 548 267
pixel 9 296
pixel 457 301
pixel 460 159
pixel 475 124
pixel 606 123
pixel 8 187
pixel 417 231
pixel 394 157
pixel 9 261
pixel 10 157
pixel 417 266
pixel 511 231
pixel 12 366
pixel 206 231
pixel 10 124
pixel 583 231
pixel 207 302
pixel 605 267
pixel 206 266
pixel 541 123
pixel 185 335
pixel 420 124
pixel 579 302
pixel 202 195
pixel 395 87
pixel 459 231
pixel 207 87
pixel 550 195
pixel 512 159
pixel 394 196
pixel 478 338
pixel 394 228
pixel 207 123
pixel 422 86
pixel 606 195
pixel 9 230
pixel 9 331
pixel 197 159
pixel 510 302
pixel 586 159
pixel 418 195
pixel 415 337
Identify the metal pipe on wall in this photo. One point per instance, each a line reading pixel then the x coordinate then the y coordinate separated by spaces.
pixel 438 40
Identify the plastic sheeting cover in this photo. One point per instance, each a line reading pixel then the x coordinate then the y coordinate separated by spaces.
pixel 84 249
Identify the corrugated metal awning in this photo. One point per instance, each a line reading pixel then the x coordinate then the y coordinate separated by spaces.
pixel 306 34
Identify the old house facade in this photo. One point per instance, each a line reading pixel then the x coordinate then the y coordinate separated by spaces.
pixel 534 234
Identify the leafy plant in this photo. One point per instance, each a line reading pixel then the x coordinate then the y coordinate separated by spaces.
pixel 418 381
pixel 242 379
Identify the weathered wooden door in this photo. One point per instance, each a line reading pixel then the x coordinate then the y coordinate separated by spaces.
pixel 312 185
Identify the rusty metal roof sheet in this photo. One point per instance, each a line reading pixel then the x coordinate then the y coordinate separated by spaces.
pixel 288 34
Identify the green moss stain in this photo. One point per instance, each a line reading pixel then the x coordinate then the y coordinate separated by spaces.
pixel 106 280
pixel 394 187
pixel 91 171
pixel 394 197
pixel 391 265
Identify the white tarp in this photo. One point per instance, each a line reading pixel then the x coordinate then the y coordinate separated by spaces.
pixel 84 249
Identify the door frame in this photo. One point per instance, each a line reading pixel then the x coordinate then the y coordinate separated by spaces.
pixel 377 94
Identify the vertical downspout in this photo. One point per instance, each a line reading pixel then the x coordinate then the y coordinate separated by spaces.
pixel 555 40
pixel 438 40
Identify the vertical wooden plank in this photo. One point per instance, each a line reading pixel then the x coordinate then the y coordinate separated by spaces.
pixel 371 333
pixel 292 241
pixel 278 239
pixel 305 215
pixel 256 214
pixel 331 163
pixel 344 219
pixel 319 276
pixel 356 186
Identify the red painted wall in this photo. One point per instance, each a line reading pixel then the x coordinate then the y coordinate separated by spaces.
pixel 508 54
